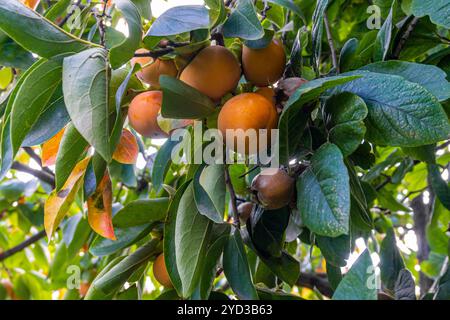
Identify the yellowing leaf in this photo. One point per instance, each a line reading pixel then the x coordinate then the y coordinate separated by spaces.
pixel 50 149
pixel 127 150
pixel 100 209
pixel 30 3
pixel 58 203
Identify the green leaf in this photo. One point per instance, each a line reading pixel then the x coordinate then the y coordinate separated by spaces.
pixel 169 238
pixel 13 55
pixel 428 76
pixel 76 232
pixel 317 31
pixel 52 120
pixel 268 231
pixel 7 155
pixel 405 287
pixel 220 234
pixel 209 191
pixel 290 5
pixel 391 262
pixel 217 11
pixel 31 99
pixel 35 33
pixel 192 232
pixel 438 10
pixel 267 294
pixel 162 163
pixel 179 20
pixel 101 247
pixel 358 283
pixel 243 22
pixel 384 37
pixel 85 86
pixel 235 266
pixel 323 193
pixel 108 283
pixel 175 93
pixel 294 117
pixel 144 7
pixel 439 185
pixel 401 113
pixel 123 52
pixel 141 212
pixel 423 153
pixel 347 112
pixel 335 250
pixel 71 151
pixel 436 231
pixel 348 55
pixel 443 291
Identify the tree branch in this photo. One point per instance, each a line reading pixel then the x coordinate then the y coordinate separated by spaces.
pixel 331 43
pixel 315 281
pixel 405 37
pixel 8 253
pixel 42 175
pixel 233 198
pixel 36 158
pixel 155 54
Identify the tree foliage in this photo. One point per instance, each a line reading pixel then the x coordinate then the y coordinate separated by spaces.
pixel 363 132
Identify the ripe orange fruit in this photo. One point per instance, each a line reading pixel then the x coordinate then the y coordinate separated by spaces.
pixel 151 73
pixel 214 71
pixel 265 66
pixel 247 111
pixel 143 114
pixel 267 93
pixel 160 272
pixel 30 3
pixel 274 189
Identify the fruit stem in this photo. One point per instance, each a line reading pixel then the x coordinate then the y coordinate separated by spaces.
pixel 233 198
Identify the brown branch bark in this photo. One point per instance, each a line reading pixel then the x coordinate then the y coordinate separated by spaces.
pixel 405 38
pixel 315 281
pixel 331 43
pixel 8 253
pixel 233 198
pixel 42 175
pixel 421 215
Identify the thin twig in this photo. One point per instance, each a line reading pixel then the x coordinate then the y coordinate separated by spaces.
pixel 404 38
pixel 331 43
pixel 42 175
pixel 156 53
pixel 8 253
pixel 70 14
pixel 233 198
pixel 38 160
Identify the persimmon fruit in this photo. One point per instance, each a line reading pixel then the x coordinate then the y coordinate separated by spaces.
pixel 247 111
pixel 143 114
pixel 264 66
pixel 32 4
pixel 214 71
pixel 160 272
pixel 273 189
pixel 245 210
pixel 153 69
pixel 268 93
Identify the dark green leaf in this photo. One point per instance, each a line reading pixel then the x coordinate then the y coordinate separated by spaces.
pixel 323 193
pixel 438 10
pixel 175 93
pixel 391 262
pixel 85 81
pixel 359 282
pixel 401 113
pixel 243 22
pixel 123 52
pixel 236 268
pixel 405 288
pixel 141 212
pixel 179 20
pixel 347 112
pixel 35 33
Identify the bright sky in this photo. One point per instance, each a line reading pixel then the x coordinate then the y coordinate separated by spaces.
pixel 159 6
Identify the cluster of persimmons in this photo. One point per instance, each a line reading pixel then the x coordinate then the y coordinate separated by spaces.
pixel 215 71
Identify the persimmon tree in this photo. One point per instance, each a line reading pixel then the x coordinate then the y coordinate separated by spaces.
pixel 92 93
